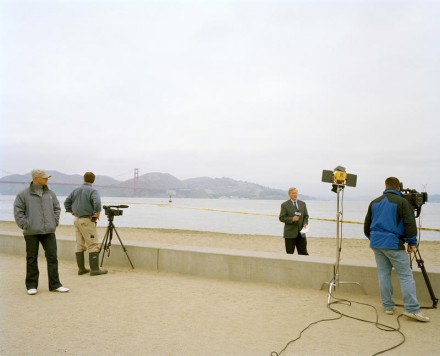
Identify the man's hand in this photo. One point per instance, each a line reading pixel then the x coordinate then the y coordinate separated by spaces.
pixel 411 249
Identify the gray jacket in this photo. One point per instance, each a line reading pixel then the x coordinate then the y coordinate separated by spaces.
pixel 36 214
pixel 83 201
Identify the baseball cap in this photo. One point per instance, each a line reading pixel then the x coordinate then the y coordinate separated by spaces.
pixel 39 173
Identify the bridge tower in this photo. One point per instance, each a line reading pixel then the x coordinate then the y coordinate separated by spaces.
pixel 136 183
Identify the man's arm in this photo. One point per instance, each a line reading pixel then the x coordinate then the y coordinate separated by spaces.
pixel 305 216
pixel 68 203
pixel 409 221
pixel 56 208
pixel 96 199
pixel 367 222
pixel 20 212
pixel 284 216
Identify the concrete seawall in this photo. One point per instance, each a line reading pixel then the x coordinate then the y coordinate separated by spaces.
pixel 307 272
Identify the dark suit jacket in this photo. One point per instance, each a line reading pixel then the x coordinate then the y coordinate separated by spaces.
pixel 292 229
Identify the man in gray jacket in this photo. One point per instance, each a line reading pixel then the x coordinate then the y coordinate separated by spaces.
pixel 37 213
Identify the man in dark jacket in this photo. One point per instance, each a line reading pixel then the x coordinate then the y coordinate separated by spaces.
pixel 389 225
pixel 294 215
pixel 37 213
pixel 84 203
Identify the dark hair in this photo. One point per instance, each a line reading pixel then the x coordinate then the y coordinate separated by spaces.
pixel 392 183
pixel 89 177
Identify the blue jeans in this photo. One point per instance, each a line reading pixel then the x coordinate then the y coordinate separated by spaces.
pixel 386 260
pixel 49 244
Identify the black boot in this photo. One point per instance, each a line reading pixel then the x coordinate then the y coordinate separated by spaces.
pixel 80 262
pixel 94 264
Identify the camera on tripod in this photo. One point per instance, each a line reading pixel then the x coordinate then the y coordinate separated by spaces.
pixel 415 198
pixel 113 210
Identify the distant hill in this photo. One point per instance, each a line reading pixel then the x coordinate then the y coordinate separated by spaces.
pixel 152 185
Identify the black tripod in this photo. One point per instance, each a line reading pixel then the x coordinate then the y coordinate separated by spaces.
pixel 421 265
pixel 107 242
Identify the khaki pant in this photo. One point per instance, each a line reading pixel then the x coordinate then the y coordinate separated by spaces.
pixel 86 235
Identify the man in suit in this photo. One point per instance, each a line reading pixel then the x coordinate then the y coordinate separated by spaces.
pixel 294 215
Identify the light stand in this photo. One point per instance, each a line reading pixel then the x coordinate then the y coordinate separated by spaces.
pixel 339 179
pixel 338 188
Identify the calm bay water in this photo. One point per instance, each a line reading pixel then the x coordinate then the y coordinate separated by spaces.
pixel 254 217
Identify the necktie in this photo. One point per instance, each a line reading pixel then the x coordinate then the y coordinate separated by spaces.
pixel 296 205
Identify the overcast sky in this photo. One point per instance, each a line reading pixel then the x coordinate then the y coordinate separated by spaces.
pixel 270 92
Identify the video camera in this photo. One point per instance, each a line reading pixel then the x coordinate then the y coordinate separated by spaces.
pixel 110 212
pixel 415 198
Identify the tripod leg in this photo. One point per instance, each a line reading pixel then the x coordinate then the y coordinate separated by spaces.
pixel 123 247
pixel 421 265
pixel 106 242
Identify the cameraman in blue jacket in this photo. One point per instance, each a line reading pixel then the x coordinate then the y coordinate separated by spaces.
pixel 389 225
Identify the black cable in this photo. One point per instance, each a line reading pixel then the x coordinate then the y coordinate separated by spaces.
pixel 378 325
pixel 274 353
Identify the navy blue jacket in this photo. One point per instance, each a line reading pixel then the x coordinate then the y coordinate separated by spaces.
pixel 390 222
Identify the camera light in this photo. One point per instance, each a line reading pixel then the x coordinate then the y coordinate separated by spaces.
pixel 339 177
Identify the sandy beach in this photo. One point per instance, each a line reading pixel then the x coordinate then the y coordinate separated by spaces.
pixel 157 313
